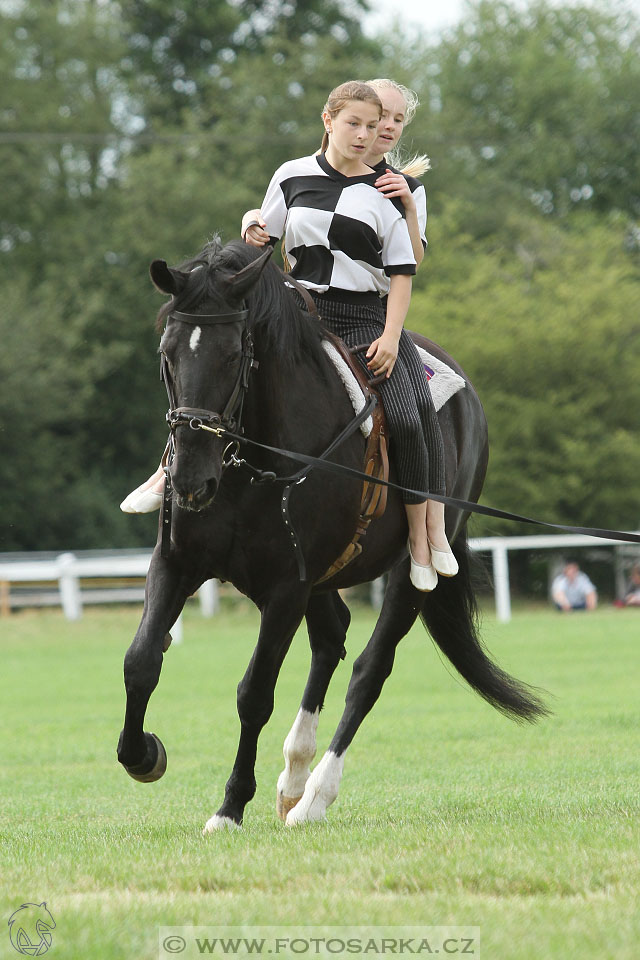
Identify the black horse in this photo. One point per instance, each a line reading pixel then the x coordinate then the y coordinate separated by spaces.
pixel 223 302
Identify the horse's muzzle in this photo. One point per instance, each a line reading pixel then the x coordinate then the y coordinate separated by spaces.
pixel 196 499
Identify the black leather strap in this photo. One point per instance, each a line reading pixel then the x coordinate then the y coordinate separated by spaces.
pixel 209 318
pixel 466 505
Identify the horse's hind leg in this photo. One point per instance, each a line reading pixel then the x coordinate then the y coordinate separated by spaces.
pixel 281 616
pixel 142 754
pixel 328 619
pixel 402 604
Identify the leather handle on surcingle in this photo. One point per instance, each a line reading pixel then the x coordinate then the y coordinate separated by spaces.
pixel 372 381
pixel 373 501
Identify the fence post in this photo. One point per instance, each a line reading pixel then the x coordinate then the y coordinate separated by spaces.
pixel 208 594
pixel 5 598
pixel 501 583
pixel 177 631
pixel 69 587
pixel 376 592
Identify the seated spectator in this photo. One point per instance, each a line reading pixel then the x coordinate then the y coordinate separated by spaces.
pixel 632 596
pixel 572 590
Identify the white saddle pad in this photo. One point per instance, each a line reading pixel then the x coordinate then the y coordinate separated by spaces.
pixel 443 381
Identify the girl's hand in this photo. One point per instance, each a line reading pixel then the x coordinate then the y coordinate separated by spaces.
pixel 254 229
pixel 256 235
pixel 394 185
pixel 382 354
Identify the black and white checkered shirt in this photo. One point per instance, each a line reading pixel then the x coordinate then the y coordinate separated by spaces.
pixel 340 232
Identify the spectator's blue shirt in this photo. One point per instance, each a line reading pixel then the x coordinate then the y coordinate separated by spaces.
pixel 576 591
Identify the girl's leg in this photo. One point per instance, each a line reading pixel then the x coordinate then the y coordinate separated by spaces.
pixel 441 554
pixel 443 559
pixel 423 573
pixel 410 451
pixel 435 525
pixel 418 542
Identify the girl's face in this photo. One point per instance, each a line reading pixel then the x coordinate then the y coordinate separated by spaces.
pixel 353 130
pixel 392 121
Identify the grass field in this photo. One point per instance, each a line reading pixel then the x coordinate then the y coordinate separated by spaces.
pixel 448 813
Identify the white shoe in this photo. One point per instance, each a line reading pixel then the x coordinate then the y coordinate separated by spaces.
pixel 422 576
pixel 444 561
pixel 141 501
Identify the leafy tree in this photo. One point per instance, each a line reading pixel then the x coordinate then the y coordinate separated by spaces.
pixel 58 68
pixel 545 322
pixel 538 102
pixel 88 207
pixel 183 54
pixel 136 130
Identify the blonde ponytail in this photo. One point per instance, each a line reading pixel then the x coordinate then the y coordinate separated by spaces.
pixel 414 166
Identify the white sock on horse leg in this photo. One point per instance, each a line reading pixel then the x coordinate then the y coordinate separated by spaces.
pixel 299 750
pixel 320 791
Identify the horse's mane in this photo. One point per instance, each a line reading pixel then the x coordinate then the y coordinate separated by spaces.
pixel 275 318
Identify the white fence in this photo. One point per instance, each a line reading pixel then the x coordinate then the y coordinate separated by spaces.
pixel 64 575
pixel 499 548
pixel 68 570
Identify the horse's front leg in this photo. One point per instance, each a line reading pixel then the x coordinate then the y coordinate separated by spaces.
pixel 281 616
pixel 402 604
pixel 142 754
pixel 327 619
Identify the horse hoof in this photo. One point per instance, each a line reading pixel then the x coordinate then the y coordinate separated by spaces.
pixel 284 804
pixel 216 823
pixel 154 764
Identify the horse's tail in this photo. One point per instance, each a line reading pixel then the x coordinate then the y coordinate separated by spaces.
pixel 450 614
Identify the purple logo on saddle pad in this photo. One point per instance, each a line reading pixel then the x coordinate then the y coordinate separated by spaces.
pixel 429 372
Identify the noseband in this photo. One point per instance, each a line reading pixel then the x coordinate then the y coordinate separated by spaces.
pixel 199 419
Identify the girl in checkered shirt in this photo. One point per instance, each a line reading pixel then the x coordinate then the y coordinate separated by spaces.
pixel 346 237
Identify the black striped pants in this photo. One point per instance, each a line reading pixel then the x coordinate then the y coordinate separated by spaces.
pixel 416 440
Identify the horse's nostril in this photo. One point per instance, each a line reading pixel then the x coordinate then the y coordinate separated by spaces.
pixel 195 498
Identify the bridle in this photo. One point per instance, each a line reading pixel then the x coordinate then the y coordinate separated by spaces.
pixel 229 420
pixel 209 420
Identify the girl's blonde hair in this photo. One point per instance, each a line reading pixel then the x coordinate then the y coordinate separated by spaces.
pixel 410 96
pixel 419 163
pixel 340 97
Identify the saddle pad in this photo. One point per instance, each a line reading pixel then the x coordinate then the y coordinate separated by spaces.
pixel 443 381
pixel 351 385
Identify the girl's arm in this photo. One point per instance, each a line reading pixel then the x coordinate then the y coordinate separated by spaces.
pixel 272 212
pixel 395 185
pixel 383 352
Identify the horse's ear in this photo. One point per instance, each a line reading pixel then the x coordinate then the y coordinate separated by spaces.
pixel 242 281
pixel 165 279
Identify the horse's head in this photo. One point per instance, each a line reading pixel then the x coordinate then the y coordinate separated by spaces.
pixel 207 353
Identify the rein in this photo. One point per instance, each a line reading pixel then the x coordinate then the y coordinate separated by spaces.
pixel 467 505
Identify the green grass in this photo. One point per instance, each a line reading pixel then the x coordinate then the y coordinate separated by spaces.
pixel 448 813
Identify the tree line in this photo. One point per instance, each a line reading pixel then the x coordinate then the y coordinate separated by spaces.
pixel 137 130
